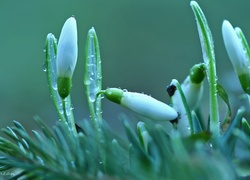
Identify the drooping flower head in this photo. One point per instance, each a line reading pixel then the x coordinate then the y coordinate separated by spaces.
pixel 141 104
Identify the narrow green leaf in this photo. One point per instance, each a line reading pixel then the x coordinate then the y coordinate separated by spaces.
pixel 224 96
pixel 196 123
pixel 207 47
pixel 144 136
pixel 229 138
pixel 245 127
pixel 132 137
pixel 93 75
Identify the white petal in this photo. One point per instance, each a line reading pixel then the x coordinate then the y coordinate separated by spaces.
pixel 67 49
pixel 193 93
pixel 233 46
pixel 148 106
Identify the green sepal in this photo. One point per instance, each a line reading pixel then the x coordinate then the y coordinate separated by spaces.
pixel 64 85
pixel 197 73
pixel 114 95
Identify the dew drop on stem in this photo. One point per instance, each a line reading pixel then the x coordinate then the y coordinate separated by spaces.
pixel 44 67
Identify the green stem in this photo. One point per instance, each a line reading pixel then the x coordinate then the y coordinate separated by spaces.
pixel 68 116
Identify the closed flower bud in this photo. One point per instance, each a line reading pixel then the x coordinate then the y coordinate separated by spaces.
pixel 66 56
pixel 237 54
pixel 141 104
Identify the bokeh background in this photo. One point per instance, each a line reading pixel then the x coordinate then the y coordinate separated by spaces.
pixel 144 44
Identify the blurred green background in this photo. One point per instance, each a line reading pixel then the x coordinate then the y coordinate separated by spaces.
pixel 144 44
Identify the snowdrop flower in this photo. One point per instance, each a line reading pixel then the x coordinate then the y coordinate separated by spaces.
pixel 192 86
pixel 141 104
pixel 237 54
pixel 66 56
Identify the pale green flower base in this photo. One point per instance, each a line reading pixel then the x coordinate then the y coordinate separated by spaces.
pixel 245 82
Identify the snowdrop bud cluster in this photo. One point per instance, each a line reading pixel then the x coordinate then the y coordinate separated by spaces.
pixel 192 86
pixel 141 104
pixel 66 56
pixel 237 54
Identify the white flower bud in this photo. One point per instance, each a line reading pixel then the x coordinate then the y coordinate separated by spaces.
pixel 67 49
pixel 142 104
pixel 66 56
pixel 237 54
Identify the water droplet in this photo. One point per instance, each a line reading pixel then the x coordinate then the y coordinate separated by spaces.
pixel 61 108
pixel 44 67
pixel 73 164
pixel 92 97
pixel 101 95
pixel 54 86
pixel 87 81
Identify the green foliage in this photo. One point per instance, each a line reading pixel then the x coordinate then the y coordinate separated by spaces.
pixel 90 150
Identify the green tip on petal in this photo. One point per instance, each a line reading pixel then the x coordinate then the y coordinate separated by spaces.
pixel 114 95
pixel 197 73
pixel 245 82
pixel 64 86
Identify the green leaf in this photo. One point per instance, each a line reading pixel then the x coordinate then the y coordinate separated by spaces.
pixel 144 136
pixel 196 123
pixel 93 75
pixel 229 138
pixel 224 96
pixel 245 127
pixel 207 47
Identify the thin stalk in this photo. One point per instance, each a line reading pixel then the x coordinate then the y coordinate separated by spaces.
pixel 68 114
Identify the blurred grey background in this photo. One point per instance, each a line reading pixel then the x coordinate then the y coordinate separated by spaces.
pixel 144 44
